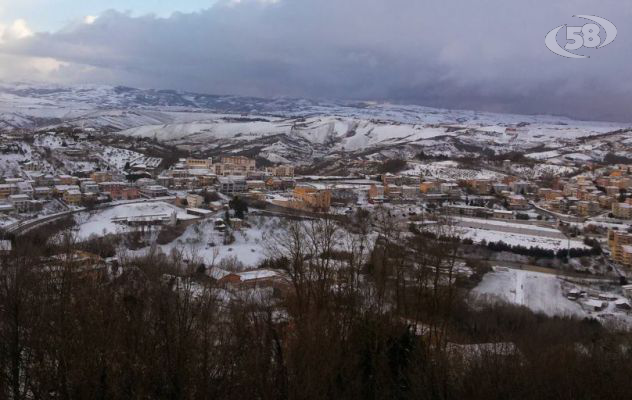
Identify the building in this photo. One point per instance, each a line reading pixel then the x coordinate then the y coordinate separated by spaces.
pixel 124 193
pixel 376 193
pixel 195 200
pixel 235 166
pixel 7 189
pixel 429 186
pixel 622 210
pixel 19 202
pixel 310 198
pixel 255 185
pixel 520 187
pixel 472 211
pixel 281 170
pixel 72 197
pixel 503 214
pixel 255 279
pixel 153 191
pixel 194 163
pixel 89 187
pixel 517 202
pixel 67 180
pixel 101 176
pixel 587 208
pixel 620 244
pixel 231 185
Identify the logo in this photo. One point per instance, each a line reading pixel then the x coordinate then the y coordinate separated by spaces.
pixel 587 36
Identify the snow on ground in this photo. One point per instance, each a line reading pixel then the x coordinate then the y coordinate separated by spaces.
pixel 540 170
pixel 117 157
pixel 544 155
pixel 516 239
pixel 449 170
pixel 100 222
pixel 537 291
pixel 202 242
pixel 507 224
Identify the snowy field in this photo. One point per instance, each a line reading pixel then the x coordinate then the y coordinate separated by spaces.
pixel 100 222
pixel 516 239
pixel 449 170
pixel 546 293
pixel 201 242
pixel 537 291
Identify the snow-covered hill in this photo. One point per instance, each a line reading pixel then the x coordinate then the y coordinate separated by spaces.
pixel 289 129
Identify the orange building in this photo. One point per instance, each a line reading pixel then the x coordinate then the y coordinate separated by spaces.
pixel 620 244
pixel 311 198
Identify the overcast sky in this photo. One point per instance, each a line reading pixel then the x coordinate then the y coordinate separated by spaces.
pixel 485 54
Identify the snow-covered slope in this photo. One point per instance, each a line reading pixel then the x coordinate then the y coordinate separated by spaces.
pixel 289 128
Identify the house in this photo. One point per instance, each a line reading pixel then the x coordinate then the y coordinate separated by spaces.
pixel 622 304
pixel 503 214
pixel 255 279
pixel 517 202
pixel 596 305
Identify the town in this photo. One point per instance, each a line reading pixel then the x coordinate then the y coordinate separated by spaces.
pixel 574 224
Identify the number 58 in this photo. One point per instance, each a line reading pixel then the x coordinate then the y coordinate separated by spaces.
pixel 587 36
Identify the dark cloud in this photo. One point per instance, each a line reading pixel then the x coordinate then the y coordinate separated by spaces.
pixel 487 54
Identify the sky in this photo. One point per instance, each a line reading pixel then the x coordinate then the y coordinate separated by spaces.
pixel 485 55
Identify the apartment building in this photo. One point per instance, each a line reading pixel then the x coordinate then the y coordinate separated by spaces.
pixel 622 210
pixel 232 184
pixel 312 199
pixel 281 170
pixel 235 166
pixel 620 244
pixel 194 163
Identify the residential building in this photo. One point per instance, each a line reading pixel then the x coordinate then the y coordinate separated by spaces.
pixel 194 200
pixel 153 191
pixel 310 198
pixel 72 197
pixel 193 163
pixel 281 170
pixel 620 244
pixel 235 166
pixel 101 176
pixel 231 185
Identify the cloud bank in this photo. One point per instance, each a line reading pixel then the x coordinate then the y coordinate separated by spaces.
pixel 484 55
